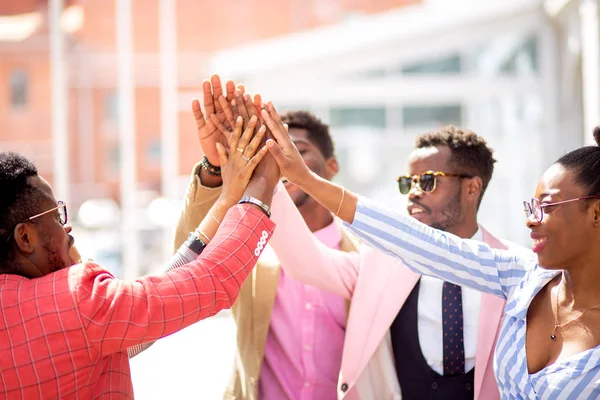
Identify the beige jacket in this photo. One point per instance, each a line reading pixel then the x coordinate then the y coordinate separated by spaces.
pixel 252 310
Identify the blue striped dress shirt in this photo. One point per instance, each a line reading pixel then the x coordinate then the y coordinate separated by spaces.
pixel 514 277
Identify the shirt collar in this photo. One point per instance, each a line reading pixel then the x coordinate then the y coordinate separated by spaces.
pixel 524 292
pixel 478 235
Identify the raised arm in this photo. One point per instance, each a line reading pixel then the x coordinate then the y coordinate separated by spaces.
pixel 308 260
pixel 118 314
pixel 422 249
pixel 206 181
pixel 237 167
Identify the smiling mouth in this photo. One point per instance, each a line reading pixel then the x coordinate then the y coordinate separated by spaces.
pixel 416 210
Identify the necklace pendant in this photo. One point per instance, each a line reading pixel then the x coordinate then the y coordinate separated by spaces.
pixel 553 336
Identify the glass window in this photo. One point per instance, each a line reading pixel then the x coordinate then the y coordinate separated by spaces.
pixel 524 59
pixel 153 152
pixel 343 117
pixel 113 155
pixel 447 65
pixel 18 88
pixel 425 117
pixel 509 55
pixel 111 107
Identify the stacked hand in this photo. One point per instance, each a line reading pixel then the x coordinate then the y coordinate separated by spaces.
pixel 220 129
pixel 239 163
pixel 283 149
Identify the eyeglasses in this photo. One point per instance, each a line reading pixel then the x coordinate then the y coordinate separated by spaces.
pixel 61 207
pixel 536 208
pixel 427 181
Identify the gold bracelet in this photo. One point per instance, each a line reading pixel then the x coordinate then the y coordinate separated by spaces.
pixel 215 218
pixel 199 232
pixel 341 202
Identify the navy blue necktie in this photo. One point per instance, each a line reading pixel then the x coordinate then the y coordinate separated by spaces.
pixel 452 318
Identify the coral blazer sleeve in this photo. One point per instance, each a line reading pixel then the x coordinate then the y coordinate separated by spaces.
pixel 308 260
pixel 198 201
pixel 118 314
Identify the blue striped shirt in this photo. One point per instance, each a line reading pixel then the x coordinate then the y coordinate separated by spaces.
pixel 514 277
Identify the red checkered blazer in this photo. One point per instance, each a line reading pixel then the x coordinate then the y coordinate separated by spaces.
pixel 65 335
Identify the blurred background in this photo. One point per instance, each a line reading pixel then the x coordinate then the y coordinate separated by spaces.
pixel 98 94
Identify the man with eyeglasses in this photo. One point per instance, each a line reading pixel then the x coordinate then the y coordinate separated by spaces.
pixel 66 327
pixel 410 336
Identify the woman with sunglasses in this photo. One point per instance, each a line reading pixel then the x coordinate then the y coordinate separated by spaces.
pixel 549 343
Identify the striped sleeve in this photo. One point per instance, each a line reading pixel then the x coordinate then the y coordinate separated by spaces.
pixel 429 251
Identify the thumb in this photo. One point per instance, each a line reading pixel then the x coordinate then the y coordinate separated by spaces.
pixel 277 153
pixel 222 155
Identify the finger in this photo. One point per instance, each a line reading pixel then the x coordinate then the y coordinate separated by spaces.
pixel 227 110
pixel 274 114
pixel 257 157
pixel 222 154
pixel 235 137
pixel 250 106
pixel 218 92
pixel 279 136
pixel 217 89
pixel 277 153
pixel 230 88
pixel 247 135
pixel 241 88
pixel 203 128
pixel 234 108
pixel 256 140
pixel 198 116
pixel 241 105
pixel 209 105
pixel 258 102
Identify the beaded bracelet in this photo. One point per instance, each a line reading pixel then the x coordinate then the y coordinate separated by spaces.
pixel 208 167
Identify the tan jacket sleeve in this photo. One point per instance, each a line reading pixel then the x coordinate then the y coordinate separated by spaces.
pixel 198 201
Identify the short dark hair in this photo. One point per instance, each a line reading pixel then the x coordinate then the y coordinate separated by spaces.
pixel 18 199
pixel 585 162
pixel 470 154
pixel 318 132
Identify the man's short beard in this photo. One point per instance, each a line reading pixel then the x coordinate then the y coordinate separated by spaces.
pixel 450 215
pixel 54 259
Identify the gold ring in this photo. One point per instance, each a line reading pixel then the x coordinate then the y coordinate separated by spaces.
pixel 240 150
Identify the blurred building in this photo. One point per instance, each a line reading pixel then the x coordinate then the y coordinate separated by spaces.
pixel 94 170
pixel 202 28
pixel 523 73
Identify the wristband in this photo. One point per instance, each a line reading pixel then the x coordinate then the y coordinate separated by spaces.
pixel 251 200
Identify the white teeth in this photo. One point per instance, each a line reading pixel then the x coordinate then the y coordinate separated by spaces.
pixel 538 241
pixel 416 211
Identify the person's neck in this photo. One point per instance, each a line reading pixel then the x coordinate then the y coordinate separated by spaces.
pixel 466 229
pixel 580 284
pixel 316 216
pixel 20 268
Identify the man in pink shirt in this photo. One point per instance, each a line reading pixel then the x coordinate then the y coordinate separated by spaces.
pixel 289 335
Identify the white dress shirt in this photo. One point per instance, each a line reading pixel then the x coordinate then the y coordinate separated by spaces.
pixel 430 320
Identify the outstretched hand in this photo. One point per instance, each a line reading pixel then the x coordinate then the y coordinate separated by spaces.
pixel 208 134
pixel 245 153
pixel 282 148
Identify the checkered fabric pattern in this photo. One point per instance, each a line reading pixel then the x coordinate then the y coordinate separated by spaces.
pixel 65 336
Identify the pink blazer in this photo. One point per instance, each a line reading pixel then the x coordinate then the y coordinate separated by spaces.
pixel 378 286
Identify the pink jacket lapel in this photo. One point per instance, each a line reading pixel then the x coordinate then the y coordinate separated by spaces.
pixel 492 310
